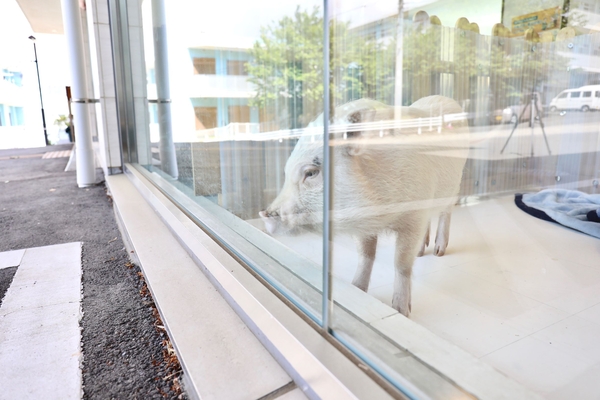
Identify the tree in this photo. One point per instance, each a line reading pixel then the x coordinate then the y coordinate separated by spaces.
pixel 287 67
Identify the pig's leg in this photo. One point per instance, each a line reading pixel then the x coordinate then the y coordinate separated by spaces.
pixel 443 233
pixel 367 247
pixel 407 246
pixel 425 240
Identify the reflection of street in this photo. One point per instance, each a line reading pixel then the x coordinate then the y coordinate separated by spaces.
pixel 572 133
pixel 574 141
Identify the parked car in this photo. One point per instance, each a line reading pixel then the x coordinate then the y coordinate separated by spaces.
pixel 511 113
pixel 585 98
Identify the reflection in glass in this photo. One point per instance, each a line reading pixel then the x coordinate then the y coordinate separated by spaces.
pixel 242 93
pixel 439 116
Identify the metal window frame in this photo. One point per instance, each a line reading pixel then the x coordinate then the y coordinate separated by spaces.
pixel 119 32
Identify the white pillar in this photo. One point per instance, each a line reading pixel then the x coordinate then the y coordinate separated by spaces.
pixel 399 60
pixel 86 170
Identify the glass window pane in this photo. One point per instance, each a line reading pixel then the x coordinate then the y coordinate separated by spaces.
pixel 457 131
pixel 235 67
pixel 241 101
pixel 204 66
pixel 206 117
pixel 434 143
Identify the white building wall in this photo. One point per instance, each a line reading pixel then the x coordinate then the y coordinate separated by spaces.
pixel 17 55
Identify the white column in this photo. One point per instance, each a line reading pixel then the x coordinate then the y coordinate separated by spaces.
pixel 86 171
pixel 399 56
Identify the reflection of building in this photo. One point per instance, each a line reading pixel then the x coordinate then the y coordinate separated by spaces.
pixel 585 58
pixel 585 13
pixel 219 89
pixel 12 98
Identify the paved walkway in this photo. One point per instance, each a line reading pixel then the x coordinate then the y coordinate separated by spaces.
pixel 40 339
pixel 125 348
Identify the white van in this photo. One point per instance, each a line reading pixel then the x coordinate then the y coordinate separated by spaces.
pixel 585 98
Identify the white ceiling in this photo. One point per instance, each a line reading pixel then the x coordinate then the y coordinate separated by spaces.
pixel 45 16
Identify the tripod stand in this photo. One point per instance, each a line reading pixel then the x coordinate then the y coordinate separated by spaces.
pixel 531 106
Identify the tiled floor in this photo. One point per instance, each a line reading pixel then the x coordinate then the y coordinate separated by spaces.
pixel 519 293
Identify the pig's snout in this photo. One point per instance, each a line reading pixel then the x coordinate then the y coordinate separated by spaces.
pixel 271 219
pixel 268 214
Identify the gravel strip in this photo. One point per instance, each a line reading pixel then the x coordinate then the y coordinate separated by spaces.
pixel 6 277
pixel 126 351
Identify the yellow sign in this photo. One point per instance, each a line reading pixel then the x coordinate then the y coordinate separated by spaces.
pixel 540 21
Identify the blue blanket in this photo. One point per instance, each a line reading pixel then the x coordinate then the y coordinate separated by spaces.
pixel 566 207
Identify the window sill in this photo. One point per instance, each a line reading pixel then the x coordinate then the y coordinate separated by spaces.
pixel 245 335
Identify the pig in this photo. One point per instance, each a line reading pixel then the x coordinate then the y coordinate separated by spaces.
pixel 383 180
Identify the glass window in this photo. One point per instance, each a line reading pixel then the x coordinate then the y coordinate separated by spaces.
pixel 395 174
pixel 204 66
pixel 14 77
pixel 239 114
pixel 263 93
pixel 15 116
pixel 206 117
pixel 235 67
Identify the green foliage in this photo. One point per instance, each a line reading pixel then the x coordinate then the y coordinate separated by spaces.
pixel 287 66
pixel 287 61
pixel 62 120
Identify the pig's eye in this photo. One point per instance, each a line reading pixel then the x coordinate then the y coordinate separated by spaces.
pixel 310 173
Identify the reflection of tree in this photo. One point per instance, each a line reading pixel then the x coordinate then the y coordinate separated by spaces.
pixel 521 67
pixel 499 70
pixel 287 67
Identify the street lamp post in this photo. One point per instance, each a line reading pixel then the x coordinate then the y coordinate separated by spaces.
pixel 32 38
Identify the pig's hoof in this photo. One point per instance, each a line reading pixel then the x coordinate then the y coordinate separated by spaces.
pixel 439 251
pixel 403 309
pixel 363 287
pixel 441 243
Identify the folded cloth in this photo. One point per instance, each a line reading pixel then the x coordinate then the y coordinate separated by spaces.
pixel 566 207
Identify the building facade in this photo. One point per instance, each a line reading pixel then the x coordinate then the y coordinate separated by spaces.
pixel 299 157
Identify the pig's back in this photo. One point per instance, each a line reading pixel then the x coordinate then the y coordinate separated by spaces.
pixel 407 172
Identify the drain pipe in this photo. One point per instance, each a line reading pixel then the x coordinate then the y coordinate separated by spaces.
pixel 166 148
pixel 84 152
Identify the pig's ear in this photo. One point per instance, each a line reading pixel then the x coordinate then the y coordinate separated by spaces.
pixel 354 147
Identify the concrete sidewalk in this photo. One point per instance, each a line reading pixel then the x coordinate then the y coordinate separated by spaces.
pixel 125 351
pixel 40 339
